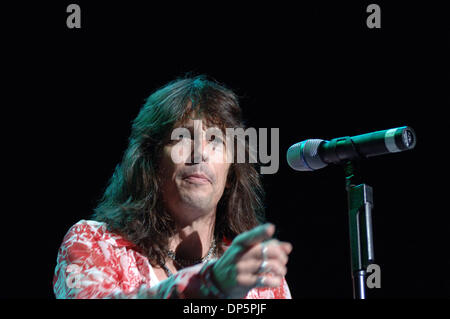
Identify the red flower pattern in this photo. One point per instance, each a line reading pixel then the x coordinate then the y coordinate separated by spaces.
pixel 93 262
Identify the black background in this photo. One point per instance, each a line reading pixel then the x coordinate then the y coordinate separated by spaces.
pixel 313 70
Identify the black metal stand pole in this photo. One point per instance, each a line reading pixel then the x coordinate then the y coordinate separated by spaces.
pixel 360 204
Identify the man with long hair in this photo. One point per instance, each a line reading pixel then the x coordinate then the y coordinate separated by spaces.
pixel 185 228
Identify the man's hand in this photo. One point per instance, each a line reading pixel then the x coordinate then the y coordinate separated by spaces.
pixel 252 260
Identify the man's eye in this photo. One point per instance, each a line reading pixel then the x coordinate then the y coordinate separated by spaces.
pixel 215 139
pixel 182 137
pixel 176 139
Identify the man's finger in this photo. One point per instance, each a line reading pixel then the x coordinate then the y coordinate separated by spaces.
pixel 255 235
pixel 287 247
pixel 268 281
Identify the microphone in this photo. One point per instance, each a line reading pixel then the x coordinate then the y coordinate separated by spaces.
pixel 314 154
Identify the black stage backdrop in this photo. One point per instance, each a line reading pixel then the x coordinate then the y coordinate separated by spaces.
pixel 313 70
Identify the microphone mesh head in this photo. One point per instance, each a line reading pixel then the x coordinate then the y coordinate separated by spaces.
pixel 304 156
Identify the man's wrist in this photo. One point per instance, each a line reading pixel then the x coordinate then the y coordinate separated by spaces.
pixel 211 287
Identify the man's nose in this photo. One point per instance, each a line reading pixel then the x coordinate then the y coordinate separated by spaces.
pixel 200 151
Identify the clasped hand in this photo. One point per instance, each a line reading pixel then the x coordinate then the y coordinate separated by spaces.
pixel 254 259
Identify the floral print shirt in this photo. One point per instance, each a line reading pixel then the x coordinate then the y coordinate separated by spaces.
pixel 93 262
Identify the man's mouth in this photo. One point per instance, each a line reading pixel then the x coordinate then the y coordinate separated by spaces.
pixel 197 179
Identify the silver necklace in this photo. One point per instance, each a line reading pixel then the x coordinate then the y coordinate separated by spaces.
pixel 188 262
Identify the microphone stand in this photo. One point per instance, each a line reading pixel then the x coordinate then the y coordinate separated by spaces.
pixel 360 204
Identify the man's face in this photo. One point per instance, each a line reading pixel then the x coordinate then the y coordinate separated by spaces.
pixel 194 172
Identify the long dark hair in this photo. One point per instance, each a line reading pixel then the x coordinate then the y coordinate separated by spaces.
pixel 132 205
